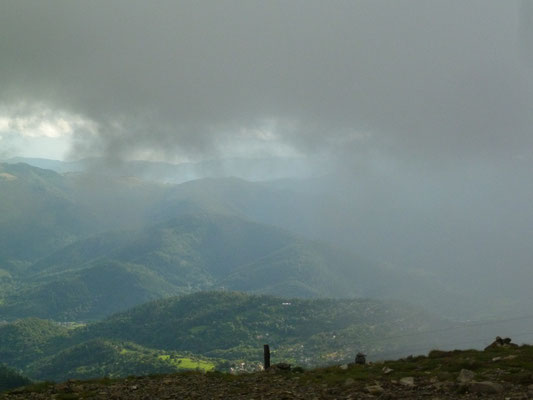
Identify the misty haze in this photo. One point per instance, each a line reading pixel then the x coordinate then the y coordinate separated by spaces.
pixel 182 183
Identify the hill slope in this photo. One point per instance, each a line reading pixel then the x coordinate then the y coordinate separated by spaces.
pixel 100 357
pixel 10 379
pixel 235 325
pixel 56 223
pixel 440 375
pixel 210 328
pixel 98 290
pixel 37 214
pixel 113 271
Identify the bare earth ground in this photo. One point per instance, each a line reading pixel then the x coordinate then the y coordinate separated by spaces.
pixel 502 373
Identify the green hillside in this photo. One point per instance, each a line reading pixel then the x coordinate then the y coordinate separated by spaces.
pixel 93 292
pixel 211 329
pixel 189 250
pixel 37 215
pixel 99 357
pixel 111 272
pixel 65 238
pixel 234 326
pixel 42 211
pixel 27 339
pixel 10 379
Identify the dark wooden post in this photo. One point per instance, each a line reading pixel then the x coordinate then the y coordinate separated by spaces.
pixel 266 354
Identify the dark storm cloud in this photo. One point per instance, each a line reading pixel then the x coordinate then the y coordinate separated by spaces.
pixel 427 78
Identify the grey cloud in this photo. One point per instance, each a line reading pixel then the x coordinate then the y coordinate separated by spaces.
pixel 425 79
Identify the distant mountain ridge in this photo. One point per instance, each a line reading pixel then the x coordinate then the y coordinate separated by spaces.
pixel 107 273
pixel 257 169
pixel 65 238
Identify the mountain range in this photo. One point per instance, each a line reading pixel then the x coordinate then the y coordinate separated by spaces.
pixel 107 275
pixel 80 247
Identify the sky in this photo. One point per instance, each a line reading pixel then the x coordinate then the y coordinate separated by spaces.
pixel 436 82
pixel 422 110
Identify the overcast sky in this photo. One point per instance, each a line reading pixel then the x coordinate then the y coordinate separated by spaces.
pixel 425 106
pixel 411 79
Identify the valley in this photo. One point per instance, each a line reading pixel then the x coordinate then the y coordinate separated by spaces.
pixel 108 276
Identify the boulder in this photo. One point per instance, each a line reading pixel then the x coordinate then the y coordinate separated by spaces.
pixel 375 390
pixel 466 376
pixel 387 370
pixel 408 381
pixel 499 342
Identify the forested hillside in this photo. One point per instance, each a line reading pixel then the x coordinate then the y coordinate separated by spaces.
pixel 10 379
pixel 212 329
pixel 166 240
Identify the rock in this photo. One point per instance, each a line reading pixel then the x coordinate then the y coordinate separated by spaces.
pixel 344 366
pixel 466 376
pixel 485 387
pixel 375 389
pixel 281 367
pixel 499 342
pixel 496 359
pixel 349 382
pixel 387 370
pixel 408 381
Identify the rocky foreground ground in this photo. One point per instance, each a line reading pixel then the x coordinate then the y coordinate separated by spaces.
pixel 496 373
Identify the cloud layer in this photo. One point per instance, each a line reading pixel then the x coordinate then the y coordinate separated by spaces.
pixel 440 79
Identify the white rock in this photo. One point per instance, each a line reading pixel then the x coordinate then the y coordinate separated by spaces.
pixel 466 376
pixel 349 382
pixel 408 381
pixel 375 389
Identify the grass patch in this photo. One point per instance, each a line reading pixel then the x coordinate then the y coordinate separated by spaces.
pixel 187 363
